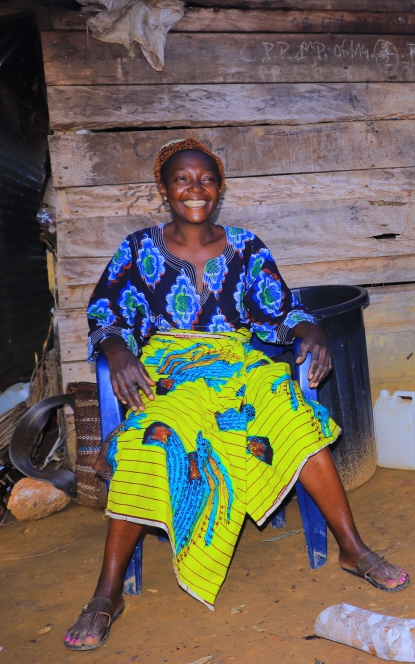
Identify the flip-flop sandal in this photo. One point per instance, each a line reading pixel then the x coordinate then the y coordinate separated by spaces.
pixel 366 564
pixel 97 606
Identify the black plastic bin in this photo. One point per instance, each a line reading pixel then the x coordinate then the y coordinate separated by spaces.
pixel 346 391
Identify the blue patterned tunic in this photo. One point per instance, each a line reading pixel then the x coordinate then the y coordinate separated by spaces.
pixel 145 289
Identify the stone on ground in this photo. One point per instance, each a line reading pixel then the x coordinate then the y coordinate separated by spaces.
pixel 33 499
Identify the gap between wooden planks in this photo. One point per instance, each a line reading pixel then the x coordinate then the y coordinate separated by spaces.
pixel 118 106
pixel 83 160
pixel 73 58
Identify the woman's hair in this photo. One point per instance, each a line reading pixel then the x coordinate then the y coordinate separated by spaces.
pixel 178 145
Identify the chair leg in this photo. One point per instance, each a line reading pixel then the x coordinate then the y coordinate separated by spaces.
pixel 133 575
pixel 279 520
pixel 315 528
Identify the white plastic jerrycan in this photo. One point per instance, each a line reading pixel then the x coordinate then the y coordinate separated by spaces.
pixel 394 418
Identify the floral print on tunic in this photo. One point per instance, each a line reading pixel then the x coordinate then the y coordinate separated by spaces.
pixel 239 296
pixel 120 262
pixel 214 274
pixel 101 313
pixel 237 237
pixel 183 303
pixel 132 302
pixel 150 262
pixel 269 294
pixel 129 338
pixel 256 261
pixel 295 317
pixel 218 323
pixel 265 332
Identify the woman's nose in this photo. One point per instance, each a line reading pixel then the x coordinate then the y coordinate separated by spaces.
pixel 195 185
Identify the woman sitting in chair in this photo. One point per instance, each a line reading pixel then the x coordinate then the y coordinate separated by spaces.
pixel 215 429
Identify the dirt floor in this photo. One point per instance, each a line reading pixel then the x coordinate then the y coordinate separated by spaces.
pixel 49 567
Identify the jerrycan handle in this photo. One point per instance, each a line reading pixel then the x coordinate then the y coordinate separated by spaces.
pixel 402 393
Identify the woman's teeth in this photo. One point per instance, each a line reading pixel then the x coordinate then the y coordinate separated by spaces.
pixel 194 204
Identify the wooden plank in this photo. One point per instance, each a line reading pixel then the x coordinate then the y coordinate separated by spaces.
pixel 72 58
pixel 390 328
pixel 73 335
pixel 82 160
pixel 269 20
pixel 399 299
pixel 78 238
pixel 70 433
pixel 381 269
pixel 140 200
pixel 206 19
pixel 371 270
pixel 77 372
pixel 335 5
pixel 112 106
pixel 388 356
pixel 69 19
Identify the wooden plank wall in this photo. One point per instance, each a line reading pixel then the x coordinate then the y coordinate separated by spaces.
pixel 313 113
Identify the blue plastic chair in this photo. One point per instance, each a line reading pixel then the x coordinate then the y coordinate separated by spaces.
pixel 315 529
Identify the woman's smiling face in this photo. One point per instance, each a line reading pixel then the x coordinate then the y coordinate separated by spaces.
pixel 192 186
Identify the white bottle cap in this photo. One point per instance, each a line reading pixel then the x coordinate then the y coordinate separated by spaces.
pixel 384 394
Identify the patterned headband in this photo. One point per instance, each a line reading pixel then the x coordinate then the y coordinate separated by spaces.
pixel 177 145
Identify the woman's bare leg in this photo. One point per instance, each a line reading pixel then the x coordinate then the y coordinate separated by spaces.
pixel 321 480
pixel 122 538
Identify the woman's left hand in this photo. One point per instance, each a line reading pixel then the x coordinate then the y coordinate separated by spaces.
pixel 314 342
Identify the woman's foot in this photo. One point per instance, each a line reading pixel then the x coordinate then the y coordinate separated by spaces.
pixel 93 625
pixel 375 569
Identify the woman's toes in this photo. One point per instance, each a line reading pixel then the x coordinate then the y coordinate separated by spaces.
pixel 91 640
pixel 95 632
pixel 392 576
pixel 76 633
pixel 70 638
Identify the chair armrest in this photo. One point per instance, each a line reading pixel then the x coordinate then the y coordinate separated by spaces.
pixel 111 411
pixel 301 373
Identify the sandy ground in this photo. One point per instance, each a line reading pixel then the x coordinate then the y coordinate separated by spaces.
pixel 282 597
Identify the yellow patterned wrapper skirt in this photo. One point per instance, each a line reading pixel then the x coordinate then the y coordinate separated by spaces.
pixel 226 435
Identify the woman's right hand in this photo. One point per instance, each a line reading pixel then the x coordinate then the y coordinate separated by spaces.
pixel 128 375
